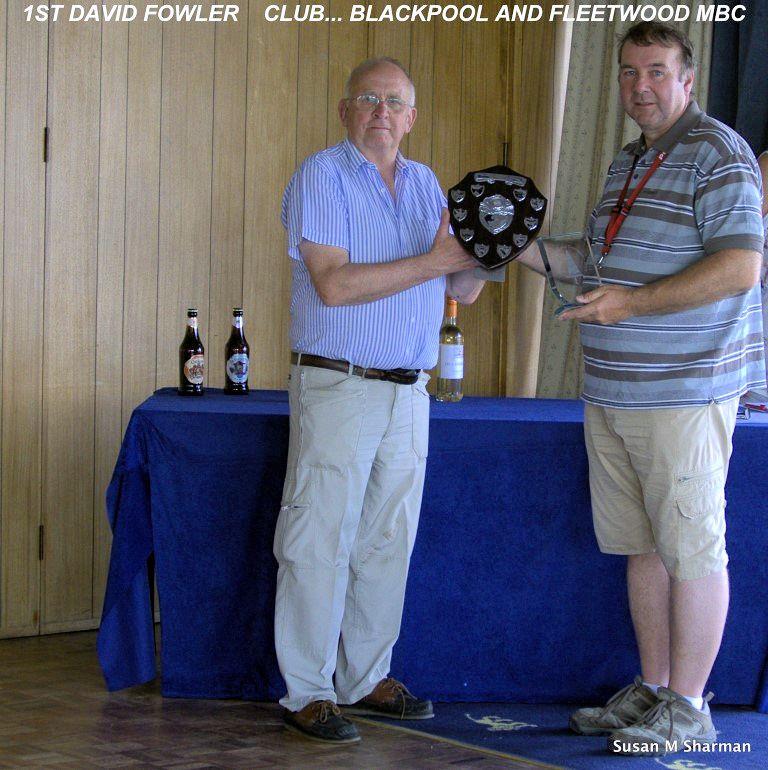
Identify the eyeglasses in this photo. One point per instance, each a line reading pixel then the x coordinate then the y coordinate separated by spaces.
pixel 369 102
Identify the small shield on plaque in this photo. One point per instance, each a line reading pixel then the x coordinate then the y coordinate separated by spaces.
pixel 494 206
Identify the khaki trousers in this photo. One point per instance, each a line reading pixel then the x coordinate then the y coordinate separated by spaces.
pixel 346 529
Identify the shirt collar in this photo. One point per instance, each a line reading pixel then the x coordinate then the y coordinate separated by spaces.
pixel 678 130
pixel 357 159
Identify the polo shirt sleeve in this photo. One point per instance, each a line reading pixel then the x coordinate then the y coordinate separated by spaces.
pixel 728 205
pixel 314 209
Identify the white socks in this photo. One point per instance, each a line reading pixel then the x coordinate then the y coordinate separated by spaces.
pixel 697 703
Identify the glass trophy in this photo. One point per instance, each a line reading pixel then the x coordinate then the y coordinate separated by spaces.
pixel 571 267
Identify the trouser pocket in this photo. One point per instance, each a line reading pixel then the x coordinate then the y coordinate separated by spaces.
pixel 420 406
pixel 331 406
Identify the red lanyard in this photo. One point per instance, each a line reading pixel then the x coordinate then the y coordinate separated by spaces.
pixel 621 210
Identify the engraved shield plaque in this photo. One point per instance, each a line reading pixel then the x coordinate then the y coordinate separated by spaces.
pixel 495 214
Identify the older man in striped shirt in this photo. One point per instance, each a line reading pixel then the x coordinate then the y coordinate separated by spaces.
pixel 671 339
pixel 372 260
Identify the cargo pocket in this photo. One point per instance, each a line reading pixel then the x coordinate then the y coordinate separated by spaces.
pixel 700 501
pixel 294 544
pixel 700 494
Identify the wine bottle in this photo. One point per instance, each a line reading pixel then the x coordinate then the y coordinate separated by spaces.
pixel 451 362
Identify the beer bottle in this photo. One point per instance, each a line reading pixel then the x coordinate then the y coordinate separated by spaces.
pixel 237 357
pixel 191 359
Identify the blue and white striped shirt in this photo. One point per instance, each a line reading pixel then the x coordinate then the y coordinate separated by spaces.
pixel 338 198
pixel 704 198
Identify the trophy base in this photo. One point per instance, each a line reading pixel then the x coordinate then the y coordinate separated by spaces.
pixel 569 306
pixel 497 274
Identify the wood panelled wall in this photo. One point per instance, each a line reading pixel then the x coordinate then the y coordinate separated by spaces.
pixel 169 147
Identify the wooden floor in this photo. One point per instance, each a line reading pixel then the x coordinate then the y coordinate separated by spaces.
pixel 56 713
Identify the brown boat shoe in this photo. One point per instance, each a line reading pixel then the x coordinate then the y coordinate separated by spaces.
pixel 392 699
pixel 321 721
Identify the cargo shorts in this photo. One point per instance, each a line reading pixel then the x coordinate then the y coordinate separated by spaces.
pixel 657 480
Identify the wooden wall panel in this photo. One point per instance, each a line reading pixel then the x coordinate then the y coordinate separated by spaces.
pixel 228 184
pixel 3 42
pixel 185 193
pixel 23 265
pixel 347 46
pixel 70 322
pixel 483 110
pixel 436 68
pixel 422 72
pixel 270 160
pixel 179 140
pixel 313 108
pixel 389 38
pixel 531 117
pixel 393 39
pixel 109 291
pixel 142 192
pixel 447 119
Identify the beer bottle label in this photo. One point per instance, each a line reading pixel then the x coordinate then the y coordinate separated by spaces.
pixel 194 369
pixel 237 368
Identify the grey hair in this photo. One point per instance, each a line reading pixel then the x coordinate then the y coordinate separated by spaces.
pixel 370 64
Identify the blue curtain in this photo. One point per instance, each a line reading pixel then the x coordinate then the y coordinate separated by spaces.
pixel 738 86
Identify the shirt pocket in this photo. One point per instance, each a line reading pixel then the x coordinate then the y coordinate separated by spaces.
pixel 422 235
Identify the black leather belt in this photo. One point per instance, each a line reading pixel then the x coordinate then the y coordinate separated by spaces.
pixel 399 376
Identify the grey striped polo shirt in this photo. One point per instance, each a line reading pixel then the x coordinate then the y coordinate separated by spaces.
pixel 705 197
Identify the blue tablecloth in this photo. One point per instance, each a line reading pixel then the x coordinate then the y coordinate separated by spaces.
pixel 508 597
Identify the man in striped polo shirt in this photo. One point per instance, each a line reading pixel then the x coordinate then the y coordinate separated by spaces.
pixel 671 339
pixel 372 260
